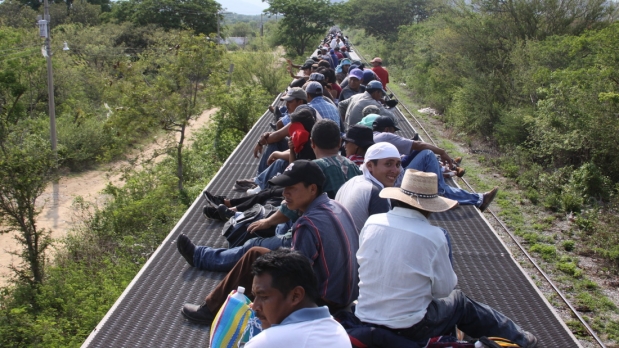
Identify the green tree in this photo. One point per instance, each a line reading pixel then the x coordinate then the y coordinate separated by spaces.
pixel 304 22
pixel 197 15
pixel 27 165
pixel 383 19
pixel 174 88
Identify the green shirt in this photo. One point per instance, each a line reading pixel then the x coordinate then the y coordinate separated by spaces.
pixel 337 169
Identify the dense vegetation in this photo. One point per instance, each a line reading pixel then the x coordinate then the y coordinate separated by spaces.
pixel 534 87
pixel 124 79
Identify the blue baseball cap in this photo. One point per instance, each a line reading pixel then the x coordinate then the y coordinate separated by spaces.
pixel 313 88
pixel 373 85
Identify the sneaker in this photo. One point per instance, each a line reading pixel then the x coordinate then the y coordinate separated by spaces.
pixel 212 213
pixel 225 213
pixel 488 198
pixel 254 190
pixel 212 199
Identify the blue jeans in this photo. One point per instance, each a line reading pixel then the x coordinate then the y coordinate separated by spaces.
pixel 222 259
pixel 274 169
pixel 474 318
pixel 281 145
pixel 426 161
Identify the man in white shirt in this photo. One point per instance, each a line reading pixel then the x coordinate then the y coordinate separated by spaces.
pixel 406 279
pixel 286 290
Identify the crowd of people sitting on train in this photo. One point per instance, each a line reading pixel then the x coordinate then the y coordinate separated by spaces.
pixel 351 228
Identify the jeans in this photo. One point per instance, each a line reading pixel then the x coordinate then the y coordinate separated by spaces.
pixel 281 145
pixel 426 161
pixel 222 259
pixel 474 318
pixel 273 170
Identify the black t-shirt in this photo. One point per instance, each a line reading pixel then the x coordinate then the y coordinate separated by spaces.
pixel 306 153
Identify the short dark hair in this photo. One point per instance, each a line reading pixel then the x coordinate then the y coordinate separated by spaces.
pixel 324 63
pixel 326 134
pixel 288 269
pixel 328 73
pixel 305 117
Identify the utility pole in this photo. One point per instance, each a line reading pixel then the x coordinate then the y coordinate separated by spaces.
pixel 52 103
pixel 50 79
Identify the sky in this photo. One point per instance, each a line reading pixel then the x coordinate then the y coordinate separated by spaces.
pixel 246 7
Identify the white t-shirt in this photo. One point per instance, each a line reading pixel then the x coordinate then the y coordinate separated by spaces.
pixel 305 328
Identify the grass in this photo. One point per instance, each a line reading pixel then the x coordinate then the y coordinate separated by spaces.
pixel 552 245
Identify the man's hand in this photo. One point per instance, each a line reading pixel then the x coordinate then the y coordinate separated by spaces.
pixel 446 159
pixel 258 225
pixel 257 150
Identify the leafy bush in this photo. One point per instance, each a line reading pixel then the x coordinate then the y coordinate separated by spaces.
pixel 568 245
pixel 548 252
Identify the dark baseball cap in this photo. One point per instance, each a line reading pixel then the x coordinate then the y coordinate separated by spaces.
pixel 300 171
pixel 361 136
pixel 383 121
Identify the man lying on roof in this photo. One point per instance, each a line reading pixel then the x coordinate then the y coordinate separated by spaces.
pixel 402 252
pixel 424 159
pixel 324 233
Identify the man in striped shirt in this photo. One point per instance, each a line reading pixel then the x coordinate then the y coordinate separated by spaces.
pixel 325 233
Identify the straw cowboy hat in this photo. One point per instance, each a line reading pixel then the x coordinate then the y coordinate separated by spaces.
pixel 420 190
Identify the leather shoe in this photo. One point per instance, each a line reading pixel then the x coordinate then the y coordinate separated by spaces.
pixel 197 314
pixel 186 248
pixel 488 198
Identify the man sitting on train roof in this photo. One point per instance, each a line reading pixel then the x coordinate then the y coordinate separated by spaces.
pixel 413 295
pixel 285 293
pixel 357 141
pixel 337 170
pixel 354 85
pixel 373 94
pixel 422 157
pixel 381 168
pixel 324 233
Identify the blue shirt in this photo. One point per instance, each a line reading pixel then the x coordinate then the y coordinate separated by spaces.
pixel 326 109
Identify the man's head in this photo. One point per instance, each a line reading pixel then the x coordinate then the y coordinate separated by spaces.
pixel 368 76
pixel 376 62
pixel 358 140
pixel 375 89
pixel 284 282
pixel 305 116
pixel 326 136
pixel 307 66
pixel 354 79
pixel 384 124
pixel 294 97
pixel 303 181
pixel 371 109
pixel 419 191
pixel 313 90
pixel 382 160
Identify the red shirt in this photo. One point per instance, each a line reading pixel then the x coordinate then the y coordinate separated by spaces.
pixel 337 89
pixel 382 74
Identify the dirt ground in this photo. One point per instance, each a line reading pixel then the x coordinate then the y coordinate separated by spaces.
pixel 57 212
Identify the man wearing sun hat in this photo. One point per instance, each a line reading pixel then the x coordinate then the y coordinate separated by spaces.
pixel 402 252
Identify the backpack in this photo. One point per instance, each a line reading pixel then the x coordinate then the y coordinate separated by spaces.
pixel 235 229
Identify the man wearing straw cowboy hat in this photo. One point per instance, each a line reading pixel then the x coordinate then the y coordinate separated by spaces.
pixel 406 280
